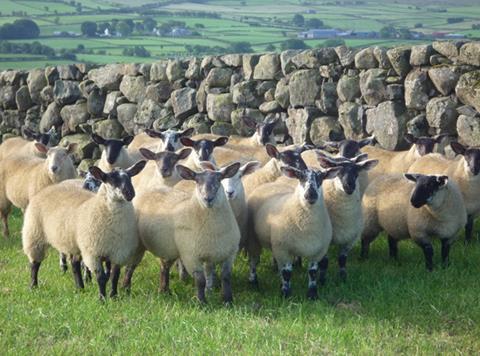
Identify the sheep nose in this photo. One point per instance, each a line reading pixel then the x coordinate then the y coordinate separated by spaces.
pixel 54 169
pixel 170 147
pixel 165 173
pixel 230 194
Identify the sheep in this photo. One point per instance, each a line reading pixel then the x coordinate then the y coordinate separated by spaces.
pixel 21 177
pixel 202 150
pixel 391 162
pixel 115 155
pixel 272 170
pixel 198 228
pixel 160 170
pixel 344 203
pixel 433 206
pixel 464 170
pixel 18 146
pixel 78 222
pixel 168 140
pixel 291 222
pixel 89 182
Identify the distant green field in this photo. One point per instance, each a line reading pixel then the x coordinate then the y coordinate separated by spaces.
pixel 271 23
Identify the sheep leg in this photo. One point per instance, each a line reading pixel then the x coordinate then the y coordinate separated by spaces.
pixel 445 252
pixel 392 247
pixel 312 293
pixel 34 267
pixel 286 276
pixel 227 282
pixel 108 268
pixel 4 216
pixel 182 272
pixel 115 278
pixel 342 265
pixel 63 262
pixel 165 276
pixel 87 274
pixel 77 272
pixel 428 253
pixel 200 284
pixel 469 229
pixel 323 270
pixel 252 276
pixel 102 281
pixel 127 280
pixel 365 247
pixel 209 275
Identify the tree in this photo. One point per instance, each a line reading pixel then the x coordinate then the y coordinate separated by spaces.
pixel 149 24
pixel 240 47
pixel 124 29
pixel 332 42
pixel 270 48
pixel 103 26
pixel 22 28
pixel 313 23
pixel 78 7
pixel 89 28
pixel 388 32
pixel 293 44
pixel 405 33
pixel 298 20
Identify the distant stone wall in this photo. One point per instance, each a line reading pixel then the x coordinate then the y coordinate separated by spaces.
pixel 319 94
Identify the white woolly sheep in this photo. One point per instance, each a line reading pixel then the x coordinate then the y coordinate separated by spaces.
pixel 432 207
pixel 19 146
pixel 77 222
pixel 21 177
pixel 291 222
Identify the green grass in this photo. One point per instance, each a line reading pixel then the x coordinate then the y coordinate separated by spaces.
pixel 385 308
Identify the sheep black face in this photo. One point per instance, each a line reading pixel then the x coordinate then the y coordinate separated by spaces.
pixel 349 169
pixel 426 188
pixel 263 130
pixel 90 182
pixel 350 148
pixel 165 160
pixel 170 138
pixel 310 181
pixel 208 182
pixel 113 148
pixel 292 158
pixel 44 138
pixel 424 145
pixel 119 181
pixel 471 155
pixel 203 148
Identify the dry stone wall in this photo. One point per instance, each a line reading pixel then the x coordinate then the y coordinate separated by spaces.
pixel 319 94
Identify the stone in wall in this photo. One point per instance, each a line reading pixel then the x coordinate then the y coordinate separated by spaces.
pixel 388 123
pixel 304 88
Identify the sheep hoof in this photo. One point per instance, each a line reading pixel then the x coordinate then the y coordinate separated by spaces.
pixel 228 302
pixel 102 298
pixel 312 294
pixel 33 286
pixel 113 295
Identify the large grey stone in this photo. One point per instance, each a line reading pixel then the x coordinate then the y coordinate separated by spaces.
pixel 133 88
pixel 166 120
pixel 201 98
pixel 346 55
pixel 108 77
pixel 468 128
pixel 220 107
pixel 158 71
pixel 268 67
pixel 219 77
pixel 193 71
pixel 365 59
pixel 282 93
pixel 96 102
pixel 350 116
pixel 325 128
pixel 245 94
pixel 160 91
pixel 232 60
pixel 184 103
pixel 126 114
pixel 7 97
pixel 11 119
pixel 286 62
pixel 328 98
pixel 146 113
pixel 442 115
pixel 249 61
pixel 73 116
pixel 444 78
pixel 313 58
pixel 85 146
pixel 420 55
pixel 175 70
pixel 380 54
pixel 36 81
pixel 110 107
pixel 470 53
pixel 66 92
pixel 51 117
pixel 348 87
pixel 373 86
pixel 298 123
pixel 468 89
pixel 449 49
pixel 199 122
pixel 417 89
pixel 222 128
pixel 108 128
pixel 69 72
pixel 238 121
pixel 400 59
pixel 304 87
pixel 51 74
pixel 388 123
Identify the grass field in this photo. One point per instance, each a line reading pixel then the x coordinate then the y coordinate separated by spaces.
pixel 385 307
pixel 260 22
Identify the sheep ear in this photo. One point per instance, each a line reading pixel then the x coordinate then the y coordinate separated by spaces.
pixel 32 135
pixel 187 132
pixel 184 153
pixel 221 141
pixel 185 173
pixel 98 174
pixel 410 138
pixel 442 181
pixel 82 173
pixel 458 148
pixel 331 172
pixel 249 122
pixel 412 177
pixel 41 147
pixel 291 172
pixel 153 133
pixel 127 140
pixel 147 154
pixel 72 147
pixel 362 157
pixel 272 151
pixel 439 138
pixel 368 165
pixel 98 139
pixel 325 162
pixel 249 168
pixel 367 141
pixel 230 171
pixel 187 141
pixel 136 168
